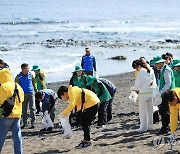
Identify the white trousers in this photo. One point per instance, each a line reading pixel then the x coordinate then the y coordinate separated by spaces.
pixel 145 112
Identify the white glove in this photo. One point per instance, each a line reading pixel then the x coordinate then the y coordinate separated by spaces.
pixel 61 115
pixel 46 112
pixel 96 75
pixel 133 96
pixel 41 114
pixel 172 137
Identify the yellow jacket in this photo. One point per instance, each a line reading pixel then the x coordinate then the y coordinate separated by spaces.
pixel 75 94
pixel 174 113
pixel 7 90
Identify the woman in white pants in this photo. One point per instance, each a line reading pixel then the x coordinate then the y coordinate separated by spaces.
pixel 144 84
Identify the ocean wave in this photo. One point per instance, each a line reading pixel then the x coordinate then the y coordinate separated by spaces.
pixel 117 22
pixel 26 21
pixel 62 68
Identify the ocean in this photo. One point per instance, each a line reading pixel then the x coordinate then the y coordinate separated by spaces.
pixel 54 33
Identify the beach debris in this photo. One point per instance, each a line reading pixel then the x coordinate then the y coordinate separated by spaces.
pixel 118 58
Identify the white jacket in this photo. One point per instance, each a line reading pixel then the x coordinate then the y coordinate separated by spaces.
pixel 145 82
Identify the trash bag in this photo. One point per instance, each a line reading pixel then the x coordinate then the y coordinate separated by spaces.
pixel 47 122
pixel 66 126
pixel 133 96
pixel 156 97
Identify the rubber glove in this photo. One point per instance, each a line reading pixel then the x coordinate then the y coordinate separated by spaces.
pixel 41 114
pixel 172 137
pixel 46 112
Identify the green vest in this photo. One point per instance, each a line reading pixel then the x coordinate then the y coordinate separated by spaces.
pixel 105 96
pixel 162 82
pixel 81 83
pixel 41 84
pixel 177 78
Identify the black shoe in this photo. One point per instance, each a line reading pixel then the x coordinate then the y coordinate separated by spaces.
pixel 49 129
pixel 43 130
pixel 32 127
pixel 162 132
pixel 83 144
pixel 37 113
pixel 24 126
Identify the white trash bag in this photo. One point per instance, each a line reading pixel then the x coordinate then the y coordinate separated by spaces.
pixel 156 97
pixel 66 126
pixel 133 96
pixel 47 122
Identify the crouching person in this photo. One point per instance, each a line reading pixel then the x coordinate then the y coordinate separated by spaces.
pixel 173 98
pixel 10 120
pixel 86 102
pixel 48 98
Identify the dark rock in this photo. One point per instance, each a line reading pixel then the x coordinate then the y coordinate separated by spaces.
pixel 171 41
pixel 3 49
pixel 118 58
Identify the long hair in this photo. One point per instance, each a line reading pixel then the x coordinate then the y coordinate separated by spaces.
pixel 140 62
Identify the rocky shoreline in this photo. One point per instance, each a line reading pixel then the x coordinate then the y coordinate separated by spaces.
pixel 55 43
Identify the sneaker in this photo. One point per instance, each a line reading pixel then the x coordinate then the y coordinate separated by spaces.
pixel 162 132
pixel 101 126
pixel 24 126
pixel 141 130
pixel 32 127
pixel 43 130
pixel 49 129
pixel 79 145
pixel 37 113
pixel 83 144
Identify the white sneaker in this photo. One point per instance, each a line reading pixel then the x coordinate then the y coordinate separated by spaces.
pixel 151 128
pixel 141 130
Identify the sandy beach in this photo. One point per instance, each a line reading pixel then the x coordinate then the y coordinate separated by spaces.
pixel 118 137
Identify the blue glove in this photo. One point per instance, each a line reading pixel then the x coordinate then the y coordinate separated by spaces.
pixel 172 137
pixel 46 113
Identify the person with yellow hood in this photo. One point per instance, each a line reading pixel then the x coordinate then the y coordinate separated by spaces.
pixel 86 102
pixel 7 87
pixel 173 98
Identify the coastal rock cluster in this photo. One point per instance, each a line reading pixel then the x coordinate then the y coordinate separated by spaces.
pixel 54 43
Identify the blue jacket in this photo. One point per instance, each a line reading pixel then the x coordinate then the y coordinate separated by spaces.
pixel 25 82
pixel 88 63
pixel 49 96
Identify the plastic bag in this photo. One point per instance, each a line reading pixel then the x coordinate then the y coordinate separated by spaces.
pixel 95 74
pixel 156 97
pixel 47 122
pixel 133 96
pixel 66 126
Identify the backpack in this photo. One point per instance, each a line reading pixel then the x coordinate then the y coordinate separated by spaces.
pixel 9 103
pixel 109 85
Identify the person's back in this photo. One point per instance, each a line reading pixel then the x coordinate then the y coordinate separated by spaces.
pixel 48 93
pixel 75 99
pixel 109 85
pixel 146 80
pixel 13 120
